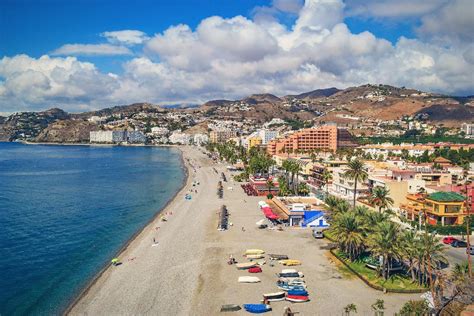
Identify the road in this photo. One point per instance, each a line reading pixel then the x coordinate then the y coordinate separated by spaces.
pixel 455 255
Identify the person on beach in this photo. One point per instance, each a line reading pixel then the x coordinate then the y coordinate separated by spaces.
pixel 243 229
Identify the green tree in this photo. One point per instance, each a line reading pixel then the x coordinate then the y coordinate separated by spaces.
pixel 378 307
pixel 384 242
pixel 303 189
pixel 381 198
pixel 414 308
pixel 270 185
pixel 349 308
pixel 356 172
pixel 326 177
pixel 349 232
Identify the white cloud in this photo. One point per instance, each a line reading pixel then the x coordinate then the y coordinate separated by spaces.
pixel 234 57
pixel 44 82
pixel 454 21
pixel 91 49
pixel 126 37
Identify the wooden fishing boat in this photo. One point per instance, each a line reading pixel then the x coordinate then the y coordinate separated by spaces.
pixel 257 308
pixel 248 279
pixel 245 265
pixel 274 297
pixel 290 275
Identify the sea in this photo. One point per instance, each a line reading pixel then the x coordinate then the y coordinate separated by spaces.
pixel 65 211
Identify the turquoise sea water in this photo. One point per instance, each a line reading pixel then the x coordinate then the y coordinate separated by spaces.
pixel 66 210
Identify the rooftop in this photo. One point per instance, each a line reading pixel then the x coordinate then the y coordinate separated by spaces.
pixel 446 197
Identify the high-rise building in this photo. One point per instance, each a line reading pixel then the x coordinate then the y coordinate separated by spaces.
pixel 326 137
pixel 221 136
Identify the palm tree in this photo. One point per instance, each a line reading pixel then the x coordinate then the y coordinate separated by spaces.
pixel 303 189
pixel 384 242
pixel 378 307
pixel 349 232
pixel 326 177
pixel 409 242
pixel 460 273
pixel 381 198
pixel 350 308
pixel 433 256
pixel 356 172
pixel 270 185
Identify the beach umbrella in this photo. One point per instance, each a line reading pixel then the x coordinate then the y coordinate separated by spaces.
pixel 114 260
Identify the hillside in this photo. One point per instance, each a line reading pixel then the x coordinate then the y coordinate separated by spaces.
pixel 352 107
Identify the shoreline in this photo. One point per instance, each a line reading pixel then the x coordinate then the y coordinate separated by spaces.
pixel 24 142
pixel 159 214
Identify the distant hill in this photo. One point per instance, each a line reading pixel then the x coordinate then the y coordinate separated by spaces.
pixel 315 94
pixel 379 102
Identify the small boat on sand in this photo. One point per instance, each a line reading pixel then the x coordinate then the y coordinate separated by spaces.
pixel 260 262
pixel 255 256
pixel 298 292
pixel 277 257
pixel 290 273
pixel 257 308
pixel 292 281
pixel 297 298
pixel 287 287
pixel 248 279
pixel 230 308
pixel 245 265
pixel 254 252
pixel 255 270
pixel 290 262
pixel 274 297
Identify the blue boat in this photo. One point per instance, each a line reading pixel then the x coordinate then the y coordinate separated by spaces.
pixel 287 287
pixel 298 292
pixel 257 308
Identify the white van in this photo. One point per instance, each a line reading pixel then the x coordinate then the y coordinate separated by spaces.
pixel 318 234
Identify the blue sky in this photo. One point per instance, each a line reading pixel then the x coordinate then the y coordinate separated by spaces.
pixel 84 54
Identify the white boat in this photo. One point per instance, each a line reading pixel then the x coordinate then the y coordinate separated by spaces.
pixel 274 297
pixel 255 256
pixel 260 262
pixel 245 265
pixel 248 279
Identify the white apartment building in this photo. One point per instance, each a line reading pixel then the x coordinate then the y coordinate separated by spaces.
pixel 107 137
pixel 180 138
pixel 159 131
pixel 468 129
pixel 200 139
pixel 266 135
pixel 343 187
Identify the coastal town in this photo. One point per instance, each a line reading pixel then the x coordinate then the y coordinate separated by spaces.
pixel 332 203
pixel 325 214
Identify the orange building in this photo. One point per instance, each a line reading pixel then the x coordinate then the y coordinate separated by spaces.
pixel 327 137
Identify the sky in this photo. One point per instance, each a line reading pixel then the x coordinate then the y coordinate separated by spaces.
pixel 81 55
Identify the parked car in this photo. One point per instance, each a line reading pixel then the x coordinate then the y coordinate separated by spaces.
pixel 448 240
pixel 318 234
pixel 459 244
pixel 470 250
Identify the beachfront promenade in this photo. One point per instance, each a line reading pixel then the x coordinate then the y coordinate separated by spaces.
pixel 187 273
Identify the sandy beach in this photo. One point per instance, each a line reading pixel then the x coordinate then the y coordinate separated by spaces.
pixel 186 272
